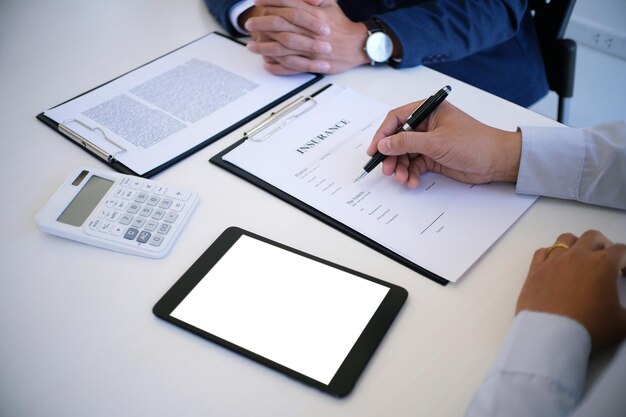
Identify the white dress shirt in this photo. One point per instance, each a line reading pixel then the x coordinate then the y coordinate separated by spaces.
pixel 587 165
pixel 236 10
pixel 541 371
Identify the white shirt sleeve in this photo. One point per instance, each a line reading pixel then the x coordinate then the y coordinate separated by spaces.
pixel 587 165
pixel 606 397
pixel 540 370
pixel 236 10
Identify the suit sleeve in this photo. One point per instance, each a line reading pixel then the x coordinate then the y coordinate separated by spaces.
pixel 219 10
pixel 448 30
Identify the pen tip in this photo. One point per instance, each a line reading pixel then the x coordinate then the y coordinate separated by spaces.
pixel 361 175
pixel 447 89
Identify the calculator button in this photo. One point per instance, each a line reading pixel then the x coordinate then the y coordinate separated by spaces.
pixel 146 211
pixel 118 230
pixel 148 187
pixel 165 203
pixel 178 194
pixel 125 180
pixel 121 205
pixel 129 194
pixel 131 233
pixel 114 215
pixel 110 202
pixel 156 240
pixel 164 228
pixel 138 222
pixel 153 200
pixel 104 213
pixel 105 227
pixel 126 219
pixel 171 217
pixel 135 184
pixel 158 214
pixel 143 236
pixel 133 208
pixel 151 225
pixel 178 206
pixel 160 189
pixel 141 197
pixel 94 223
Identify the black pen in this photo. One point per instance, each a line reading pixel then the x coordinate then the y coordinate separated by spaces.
pixel 418 116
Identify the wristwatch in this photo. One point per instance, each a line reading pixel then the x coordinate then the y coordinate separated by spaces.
pixel 378 45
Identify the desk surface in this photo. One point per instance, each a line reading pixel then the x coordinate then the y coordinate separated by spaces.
pixel 78 335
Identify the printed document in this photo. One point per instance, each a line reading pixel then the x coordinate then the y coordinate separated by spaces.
pixel 167 107
pixel 443 226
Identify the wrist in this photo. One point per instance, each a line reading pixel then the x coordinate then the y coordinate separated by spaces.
pixel 396 53
pixel 507 159
pixel 378 45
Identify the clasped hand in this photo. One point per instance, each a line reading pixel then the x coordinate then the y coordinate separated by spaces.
pixel 296 36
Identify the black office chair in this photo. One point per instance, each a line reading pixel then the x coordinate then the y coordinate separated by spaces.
pixel 559 55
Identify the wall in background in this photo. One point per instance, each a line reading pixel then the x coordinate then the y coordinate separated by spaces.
pixel 599 29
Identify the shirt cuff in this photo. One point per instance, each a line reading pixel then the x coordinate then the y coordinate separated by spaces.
pixel 236 10
pixel 552 162
pixel 550 346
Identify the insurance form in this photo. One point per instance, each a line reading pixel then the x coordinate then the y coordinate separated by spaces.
pixel 443 226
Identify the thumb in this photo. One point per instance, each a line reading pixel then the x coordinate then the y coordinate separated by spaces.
pixel 320 3
pixel 407 142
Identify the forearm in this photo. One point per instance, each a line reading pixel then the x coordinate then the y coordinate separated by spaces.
pixel 220 10
pixel 448 30
pixel 587 165
pixel 540 369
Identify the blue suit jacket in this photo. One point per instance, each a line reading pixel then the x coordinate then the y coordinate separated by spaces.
pixel 490 44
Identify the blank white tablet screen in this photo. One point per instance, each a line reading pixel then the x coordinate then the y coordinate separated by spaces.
pixel 287 308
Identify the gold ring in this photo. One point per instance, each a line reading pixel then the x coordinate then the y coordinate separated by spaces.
pixel 557 245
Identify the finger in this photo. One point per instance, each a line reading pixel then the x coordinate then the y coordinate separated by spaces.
pixel 617 256
pixel 390 124
pixel 283 43
pixel 406 142
pixel 567 239
pixel 292 3
pixel 414 173
pixel 301 64
pixel 593 240
pixel 389 165
pixel 402 169
pixel 274 23
pixel 277 69
pixel 294 18
pixel 414 177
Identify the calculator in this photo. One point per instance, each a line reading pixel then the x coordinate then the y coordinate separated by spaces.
pixel 123 213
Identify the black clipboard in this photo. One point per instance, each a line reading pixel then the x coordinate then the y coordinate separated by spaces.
pixel 355 234
pixel 111 161
pixel 376 320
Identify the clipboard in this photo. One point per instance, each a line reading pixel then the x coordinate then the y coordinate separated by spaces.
pixel 110 149
pixel 245 293
pixel 276 121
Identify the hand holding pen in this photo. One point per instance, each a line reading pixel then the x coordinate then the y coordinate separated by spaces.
pixel 418 116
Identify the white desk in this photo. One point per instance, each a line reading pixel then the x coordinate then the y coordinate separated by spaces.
pixel 78 335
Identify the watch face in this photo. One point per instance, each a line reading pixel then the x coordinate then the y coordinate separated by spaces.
pixel 379 47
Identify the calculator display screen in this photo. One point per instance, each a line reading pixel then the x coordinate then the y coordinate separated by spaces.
pixel 85 201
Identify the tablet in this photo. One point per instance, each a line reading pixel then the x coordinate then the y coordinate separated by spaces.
pixel 308 318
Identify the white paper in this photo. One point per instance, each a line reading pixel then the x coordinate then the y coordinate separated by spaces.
pixel 167 107
pixel 443 226
pixel 292 310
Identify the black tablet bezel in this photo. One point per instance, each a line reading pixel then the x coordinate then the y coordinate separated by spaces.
pixel 353 365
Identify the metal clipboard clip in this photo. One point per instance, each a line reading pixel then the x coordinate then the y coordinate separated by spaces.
pixel 280 118
pixel 86 143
